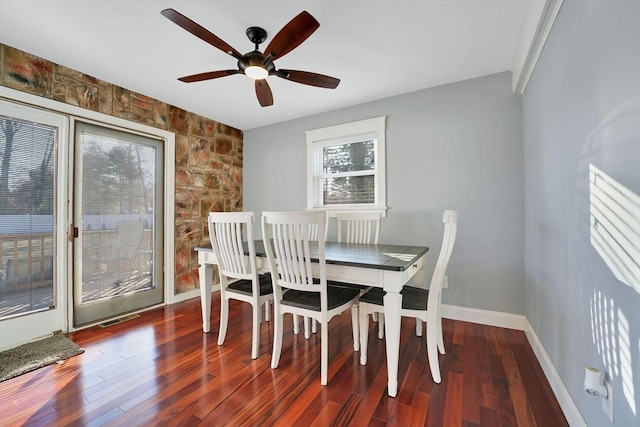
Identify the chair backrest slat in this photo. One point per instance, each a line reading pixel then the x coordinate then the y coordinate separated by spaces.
pixel 358 227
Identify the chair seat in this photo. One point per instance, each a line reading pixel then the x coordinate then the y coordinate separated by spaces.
pixel 245 286
pixel 412 298
pixel 336 296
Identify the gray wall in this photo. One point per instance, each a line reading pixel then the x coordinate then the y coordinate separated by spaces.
pixel 582 108
pixel 457 146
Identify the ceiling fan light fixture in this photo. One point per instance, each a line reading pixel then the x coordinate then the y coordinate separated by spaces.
pixel 256 72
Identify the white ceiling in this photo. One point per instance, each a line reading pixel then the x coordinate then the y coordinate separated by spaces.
pixel 377 48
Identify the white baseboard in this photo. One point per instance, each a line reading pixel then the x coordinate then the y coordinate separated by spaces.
pixel 194 293
pixel 569 408
pixel 520 322
pixel 485 317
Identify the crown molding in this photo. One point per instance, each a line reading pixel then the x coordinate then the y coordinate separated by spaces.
pixel 540 19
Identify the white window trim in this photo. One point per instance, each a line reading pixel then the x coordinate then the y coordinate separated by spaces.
pixel 319 136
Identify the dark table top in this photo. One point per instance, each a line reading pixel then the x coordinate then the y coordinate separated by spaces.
pixel 381 257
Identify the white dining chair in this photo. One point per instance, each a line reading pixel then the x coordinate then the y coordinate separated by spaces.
pixel 239 278
pixel 313 236
pixel 297 290
pixel 360 227
pixel 125 247
pixel 421 304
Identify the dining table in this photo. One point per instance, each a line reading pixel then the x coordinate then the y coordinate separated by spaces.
pixel 386 266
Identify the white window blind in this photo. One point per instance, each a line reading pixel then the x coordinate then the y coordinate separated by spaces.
pixel 346 165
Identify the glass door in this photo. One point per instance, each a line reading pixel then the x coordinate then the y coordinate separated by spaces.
pixel 33 255
pixel 118 201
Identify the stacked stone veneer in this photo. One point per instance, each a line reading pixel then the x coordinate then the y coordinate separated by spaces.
pixel 208 153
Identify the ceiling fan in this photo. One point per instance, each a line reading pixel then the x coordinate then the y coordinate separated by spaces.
pixel 255 64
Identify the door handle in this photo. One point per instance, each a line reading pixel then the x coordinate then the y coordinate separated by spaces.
pixel 73 232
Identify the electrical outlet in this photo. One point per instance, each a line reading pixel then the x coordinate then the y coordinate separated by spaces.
pixel 607 404
pixel 445 283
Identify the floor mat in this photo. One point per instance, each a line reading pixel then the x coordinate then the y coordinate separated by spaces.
pixel 31 356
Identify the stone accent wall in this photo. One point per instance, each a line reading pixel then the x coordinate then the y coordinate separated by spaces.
pixel 208 153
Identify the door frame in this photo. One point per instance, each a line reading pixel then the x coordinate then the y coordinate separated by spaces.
pixel 65 262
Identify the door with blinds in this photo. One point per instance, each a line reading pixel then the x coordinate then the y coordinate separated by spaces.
pixel 32 224
pixel 118 201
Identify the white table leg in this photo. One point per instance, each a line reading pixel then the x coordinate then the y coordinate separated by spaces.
pixel 205 274
pixel 392 306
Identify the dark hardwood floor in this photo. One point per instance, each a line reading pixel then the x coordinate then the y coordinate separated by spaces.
pixel 160 369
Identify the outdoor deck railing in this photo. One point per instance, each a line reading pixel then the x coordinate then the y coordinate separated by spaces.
pixel 28 258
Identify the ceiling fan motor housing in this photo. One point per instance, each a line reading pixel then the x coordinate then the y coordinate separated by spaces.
pixel 255 59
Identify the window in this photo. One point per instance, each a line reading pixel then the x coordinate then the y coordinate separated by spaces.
pixel 346 166
pixel 27 212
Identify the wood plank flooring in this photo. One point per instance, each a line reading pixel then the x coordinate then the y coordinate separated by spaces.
pixel 160 369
